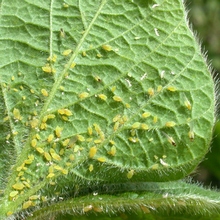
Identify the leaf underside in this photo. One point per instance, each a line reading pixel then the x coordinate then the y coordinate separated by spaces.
pixel 98 91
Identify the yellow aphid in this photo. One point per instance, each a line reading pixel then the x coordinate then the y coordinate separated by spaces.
pixel 13 194
pixel 80 138
pixel 136 125
pixel 34 142
pixel 133 132
pixel 150 91
pixel 117 98
pixel 90 130
pixel 37 136
pixel 107 47
pixel 97 78
pixel 97 128
pixel 34 123
pixel 116 126
pixel 99 55
pixel 98 209
pixel 102 96
pixel 71 157
pixel 26 184
pixel 83 95
pixel 130 174
pixel 97 141
pixel 56 167
pixel 47 156
pixel 112 142
pixel 159 88
pixel 92 151
pixel 171 88
pixel 27 204
pixel 34 197
pixel 64 111
pixel 144 126
pixel 6 118
pixel 65 142
pixel 67 52
pixel 18 186
pixel 17 114
pixel 102 136
pixel 91 167
pixel 62 32
pixel 44 92
pixel 58 131
pixel 87 208
pixel 50 138
pixel 155 166
pixel 32 91
pixel 40 150
pixel 155 119
pixel 61 152
pixel 8 137
pixel 191 133
pixel 113 88
pixel 83 53
pixel 72 65
pixel 170 124
pixel 55 156
pixel 21 173
pixel 127 105
pixel 64 171
pixel 101 159
pixel 188 104
pixel 43 126
pixel 48 69
pixel 146 114
pixel 12 78
pixel 112 151
pixel 133 139
pixel 28 161
pixel 53 59
pixel 50 175
pixel 65 118
pixel 62 88
pixel 116 118
pixel 9 213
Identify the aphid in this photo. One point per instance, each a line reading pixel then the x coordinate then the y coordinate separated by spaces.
pixel 53 58
pixel 99 55
pixel 47 156
pixel 40 150
pixel 71 157
pixel 43 126
pixel 150 91
pixel 84 54
pixel 17 114
pixel 155 119
pixel 159 88
pixel 50 138
pixel 101 159
pixel 64 171
pixel 92 151
pixel 102 136
pixel 97 78
pixel 65 142
pixel 72 141
pixel 12 78
pixel 170 139
pixel 26 184
pixel 48 69
pixel 112 142
pixel 13 194
pixel 27 204
pixel 50 175
pixel 130 174
pixel 65 111
pixel 61 152
pixel 117 98
pixel 58 131
pixel 89 129
pixel 187 104
pixel 97 141
pixel 127 105
pixel 80 138
pixel 83 95
pixel 9 213
pixel 34 197
pixel 56 167
pixel 112 151
pixel 97 128
pixel 113 88
pixel 55 156
pixel 191 133
pixel 133 139
pixel 72 65
pixel 34 142
pixel 171 88
pixel 62 32
pixel 133 132
pixel 136 125
pixel 146 114
pixel 116 118
pixel 91 167
pixel 155 166
pixel 144 126
pixel 44 92
pixel 116 126
pixel 102 96
pixel 106 47
pixel 87 208
pixel 67 52
pixel 18 186
pixel 170 124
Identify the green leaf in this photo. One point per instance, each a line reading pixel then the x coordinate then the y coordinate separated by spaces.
pixel 98 91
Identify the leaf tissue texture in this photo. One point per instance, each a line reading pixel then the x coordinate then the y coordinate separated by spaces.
pixel 98 91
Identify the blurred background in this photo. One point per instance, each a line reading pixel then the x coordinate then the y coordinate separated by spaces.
pixel 204 15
